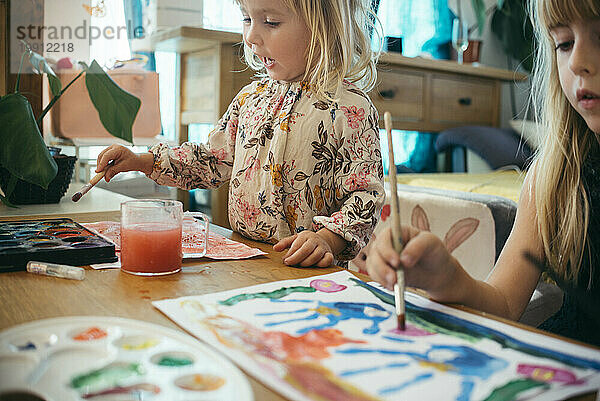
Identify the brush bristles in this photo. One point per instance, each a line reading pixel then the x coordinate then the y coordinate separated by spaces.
pixel 401 322
pixel 77 196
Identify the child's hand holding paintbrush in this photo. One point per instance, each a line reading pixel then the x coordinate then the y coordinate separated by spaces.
pixel 113 160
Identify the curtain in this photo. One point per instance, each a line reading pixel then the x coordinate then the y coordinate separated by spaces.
pixel 426 28
pixel 106 50
pixel 134 18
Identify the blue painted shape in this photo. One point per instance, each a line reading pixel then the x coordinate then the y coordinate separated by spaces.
pixel 465 361
pixel 398 339
pixel 340 311
pixel 392 365
pixel 415 380
pixel 466 388
pixel 452 325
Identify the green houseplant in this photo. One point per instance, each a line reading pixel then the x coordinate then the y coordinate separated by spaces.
pixel 23 155
pixel 511 25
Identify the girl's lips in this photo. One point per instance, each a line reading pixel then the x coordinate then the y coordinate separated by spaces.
pixel 588 104
pixel 587 99
pixel 268 62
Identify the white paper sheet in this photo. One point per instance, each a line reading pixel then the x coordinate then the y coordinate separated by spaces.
pixel 331 337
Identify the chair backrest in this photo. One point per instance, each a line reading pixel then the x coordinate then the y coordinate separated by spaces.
pixel 473 226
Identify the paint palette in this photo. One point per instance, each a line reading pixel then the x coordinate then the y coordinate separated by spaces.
pixel 107 358
pixel 57 241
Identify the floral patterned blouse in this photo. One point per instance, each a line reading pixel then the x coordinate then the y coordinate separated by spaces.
pixel 293 162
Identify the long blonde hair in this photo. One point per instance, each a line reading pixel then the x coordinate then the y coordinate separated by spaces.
pixel 561 202
pixel 340 44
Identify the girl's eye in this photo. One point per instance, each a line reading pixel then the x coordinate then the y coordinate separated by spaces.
pixel 564 46
pixel 246 20
pixel 271 23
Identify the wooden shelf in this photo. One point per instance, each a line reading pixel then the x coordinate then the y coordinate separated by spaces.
pixel 476 70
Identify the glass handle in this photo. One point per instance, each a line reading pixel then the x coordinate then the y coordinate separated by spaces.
pixel 204 218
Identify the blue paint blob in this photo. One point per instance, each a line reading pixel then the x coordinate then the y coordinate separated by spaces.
pixel 398 339
pixel 415 380
pixel 393 365
pixel 335 312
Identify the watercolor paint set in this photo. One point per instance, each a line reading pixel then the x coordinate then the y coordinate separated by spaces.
pixel 55 240
pixel 108 358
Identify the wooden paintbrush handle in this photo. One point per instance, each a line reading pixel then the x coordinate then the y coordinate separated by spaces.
pixel 395 212
pixel 97 177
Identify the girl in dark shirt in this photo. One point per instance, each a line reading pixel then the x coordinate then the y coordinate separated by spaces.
pixel 558 217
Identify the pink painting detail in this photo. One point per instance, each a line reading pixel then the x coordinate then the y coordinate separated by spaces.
pixel 412 331
pixel 326 285
pixel 548 374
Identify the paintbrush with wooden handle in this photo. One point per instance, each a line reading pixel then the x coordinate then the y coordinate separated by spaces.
pixel 96 179
pixel 396 226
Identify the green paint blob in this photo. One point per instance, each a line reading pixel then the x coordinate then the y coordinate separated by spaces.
pixel 172 361
pixel 108 376
pixel 511 390
pixel 280 293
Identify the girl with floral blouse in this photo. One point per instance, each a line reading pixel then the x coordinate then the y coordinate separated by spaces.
pixel 300 146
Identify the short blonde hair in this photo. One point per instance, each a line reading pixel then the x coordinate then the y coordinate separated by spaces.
pixel 561 202
pixel 340 44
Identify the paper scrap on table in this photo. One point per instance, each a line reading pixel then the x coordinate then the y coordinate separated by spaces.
pixel 219 247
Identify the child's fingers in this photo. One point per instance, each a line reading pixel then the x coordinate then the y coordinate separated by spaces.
pixel 314 258
pixel 105 156
pixel 422 244
pixel 379 270
pixel 111 170
pixel 385 248
pixel 301 253
pixel 284 243
pixel 298 241
pixel 326 261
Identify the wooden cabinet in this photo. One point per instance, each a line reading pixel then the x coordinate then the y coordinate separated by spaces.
pixel 464 101
pixel 433 95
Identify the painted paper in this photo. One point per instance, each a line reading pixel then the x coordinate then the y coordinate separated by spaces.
pixel 334 337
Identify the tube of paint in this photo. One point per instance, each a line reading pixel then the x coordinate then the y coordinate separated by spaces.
pixel 54 270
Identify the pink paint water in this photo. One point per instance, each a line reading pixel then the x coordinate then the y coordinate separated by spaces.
pixel 151 248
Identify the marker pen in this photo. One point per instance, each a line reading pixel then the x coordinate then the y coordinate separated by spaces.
pixel 54 270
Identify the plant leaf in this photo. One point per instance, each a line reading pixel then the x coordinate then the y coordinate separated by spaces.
pixel 32 163
pixel 479 10
pixel 511 25
pixel 41 65
pixel 117 109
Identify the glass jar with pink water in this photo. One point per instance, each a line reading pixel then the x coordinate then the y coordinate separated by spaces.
pixel 151 231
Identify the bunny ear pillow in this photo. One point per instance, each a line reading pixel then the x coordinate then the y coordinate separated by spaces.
pixel 456 235
pixel 466 227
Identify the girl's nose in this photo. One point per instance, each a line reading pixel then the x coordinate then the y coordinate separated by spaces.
pixel 252 36
pixel 583 59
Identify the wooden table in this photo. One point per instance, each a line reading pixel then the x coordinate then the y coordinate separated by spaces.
pixel 25 297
